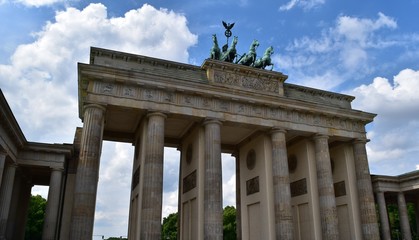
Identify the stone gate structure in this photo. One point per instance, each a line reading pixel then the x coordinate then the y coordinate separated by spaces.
pixel 301 164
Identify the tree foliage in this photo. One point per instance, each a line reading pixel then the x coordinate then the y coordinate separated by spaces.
pixel 229 223
pixel 169 228
pixel 36 212
pixel 170 224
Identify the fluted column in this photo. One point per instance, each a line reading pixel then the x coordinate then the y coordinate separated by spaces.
pixel 385 226
pixel 53 205
pixel 281 186
pixel 6 197
pixel 404 219
pixel 152 198
pixel 213 203
pixel 327 201
pixel 2 163
pixel 238 198
pixel 369 223
pixel 87 175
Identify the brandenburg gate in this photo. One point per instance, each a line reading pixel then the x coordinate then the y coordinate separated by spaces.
pixel 301 163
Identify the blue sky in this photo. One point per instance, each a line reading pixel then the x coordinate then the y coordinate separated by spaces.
pixel 368 49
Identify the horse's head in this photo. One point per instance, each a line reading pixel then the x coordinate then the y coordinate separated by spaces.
pixel 269 51
pixel 254 45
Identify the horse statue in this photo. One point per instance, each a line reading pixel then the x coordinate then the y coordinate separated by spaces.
pixel 249 58
pixel 215 52
pixel 230 54
pixel 265 60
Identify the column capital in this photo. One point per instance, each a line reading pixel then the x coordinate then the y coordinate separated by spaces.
pixel 58 169
pixel 212 120
pixel 361 140
pixel 92 105
pixel 320 136
pixel 13 165
pixel 151 114
pixel 275 130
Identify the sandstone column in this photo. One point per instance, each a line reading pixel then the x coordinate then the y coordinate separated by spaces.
pixel 369 223
pixel 213 204
pixel 281 186
pixel 2 163
pixel 404 220
pixel 327 201
pixel 22 207
pixel 87 175
pixel 238 198
pixel 53 205
pixel 6 197
pixel 151 208
pixel 385 226
pixel 417 214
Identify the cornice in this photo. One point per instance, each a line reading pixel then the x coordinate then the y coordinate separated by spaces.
pixel 9 123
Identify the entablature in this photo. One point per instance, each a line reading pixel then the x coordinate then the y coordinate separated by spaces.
pixel 225 91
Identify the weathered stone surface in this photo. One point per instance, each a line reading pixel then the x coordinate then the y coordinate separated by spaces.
pixel 369 223
pixel 327 201
pixel 152 200
pixel 281 184
pixel 53 204
pixel 385 226
pixel 213 204
pixel 87 173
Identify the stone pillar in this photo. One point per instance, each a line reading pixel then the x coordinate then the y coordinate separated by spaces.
pixel 152 195
pixel 281 186
pixel 238 198
pixel 183 151
pixel 87 175
pixel 404 219
pixel 2 163
pixel 213 203
pixel 53 205
pixel 22 205
pixel 369 223
pixel 327 201
pixel 385 226
pixel 6 197
pixel 417 215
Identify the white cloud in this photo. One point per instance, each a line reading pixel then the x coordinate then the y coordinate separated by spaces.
pixel 389 97
pixel 305 4
pixel 229 180
pixel 40 81
pixel 38 3
pixel 40 84
pixel 417 166
pixel 396 128
pixel 360 29
pixel 339 51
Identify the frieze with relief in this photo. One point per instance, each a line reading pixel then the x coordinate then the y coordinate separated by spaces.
pixel 247 82
pixel 227 105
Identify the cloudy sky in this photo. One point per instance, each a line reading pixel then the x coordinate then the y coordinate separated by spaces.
pixel 368 49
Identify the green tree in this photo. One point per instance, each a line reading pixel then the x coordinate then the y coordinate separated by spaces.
pixel 229 223
pixel 36 212
pixel 169 228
